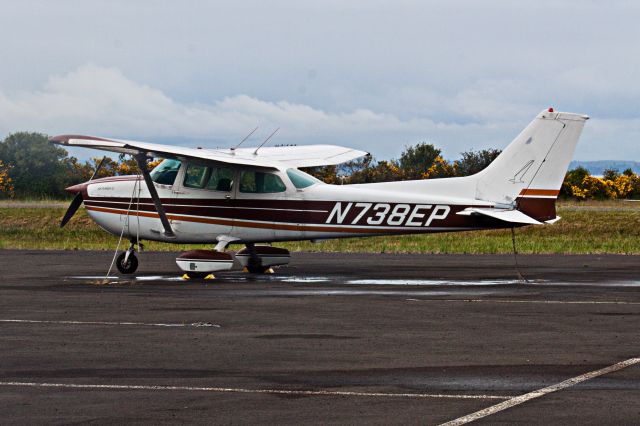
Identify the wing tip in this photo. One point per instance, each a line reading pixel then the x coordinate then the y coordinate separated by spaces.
pixel 63 139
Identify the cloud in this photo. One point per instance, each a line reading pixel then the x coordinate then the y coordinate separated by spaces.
pixel 373 75
pixel 102 101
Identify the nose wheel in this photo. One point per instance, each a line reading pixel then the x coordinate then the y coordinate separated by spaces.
pixel 127 265
pixel 127 262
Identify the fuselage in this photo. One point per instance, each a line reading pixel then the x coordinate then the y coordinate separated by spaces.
pixel 204 203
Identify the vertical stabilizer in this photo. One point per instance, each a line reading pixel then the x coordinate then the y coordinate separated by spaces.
pixel 528 174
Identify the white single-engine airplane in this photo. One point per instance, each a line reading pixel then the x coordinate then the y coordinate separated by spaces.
pixel 248 196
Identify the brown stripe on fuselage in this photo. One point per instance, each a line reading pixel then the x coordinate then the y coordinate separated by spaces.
pixel 539 192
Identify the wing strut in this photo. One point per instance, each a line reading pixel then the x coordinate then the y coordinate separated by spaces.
pixel 141 159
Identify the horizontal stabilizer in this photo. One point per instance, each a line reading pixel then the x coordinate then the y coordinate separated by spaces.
pixel 552 221
pixel 512 216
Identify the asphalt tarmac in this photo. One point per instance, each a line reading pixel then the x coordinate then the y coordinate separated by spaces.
pixel 330 339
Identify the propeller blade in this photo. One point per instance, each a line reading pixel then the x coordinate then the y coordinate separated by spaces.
pixel 77 200
pixel 73 208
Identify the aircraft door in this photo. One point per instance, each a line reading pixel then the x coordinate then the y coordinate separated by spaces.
pixel 261 205
pixel 204 200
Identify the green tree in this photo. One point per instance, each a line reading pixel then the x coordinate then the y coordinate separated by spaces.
pixel 386 171
pixel 610 174
pixel 416 160
pixel 474 161
pixel 357 171
pixel 355 166
pixel 37 167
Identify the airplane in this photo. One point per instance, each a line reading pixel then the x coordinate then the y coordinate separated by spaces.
pixel 258 196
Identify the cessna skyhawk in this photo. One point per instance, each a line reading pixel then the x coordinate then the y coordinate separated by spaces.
pixel 258 195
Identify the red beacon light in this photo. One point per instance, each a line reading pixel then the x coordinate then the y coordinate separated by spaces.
pixel 551 109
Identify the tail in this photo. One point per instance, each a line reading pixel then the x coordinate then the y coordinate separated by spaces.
pixel 528 174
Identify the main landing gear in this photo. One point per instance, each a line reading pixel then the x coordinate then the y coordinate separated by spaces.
pixel 127 262
pixel 260 259
pixel 202 263
pixel 255 259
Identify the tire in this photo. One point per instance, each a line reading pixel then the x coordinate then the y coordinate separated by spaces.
pixel 257 269
pixel 130 267
pixel 254 266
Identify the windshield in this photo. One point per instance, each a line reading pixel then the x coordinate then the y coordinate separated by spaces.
pixel 166 172
pixel 300 179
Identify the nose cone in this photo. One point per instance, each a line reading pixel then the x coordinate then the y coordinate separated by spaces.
pixel 79 188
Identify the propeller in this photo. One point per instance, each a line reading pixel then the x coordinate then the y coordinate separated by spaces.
pixel 77 200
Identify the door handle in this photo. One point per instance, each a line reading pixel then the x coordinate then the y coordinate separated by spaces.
pixel 228 197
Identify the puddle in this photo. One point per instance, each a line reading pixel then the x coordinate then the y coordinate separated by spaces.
pixel 116 278
pixel 600 284
pixel 434 282
pixel 301 279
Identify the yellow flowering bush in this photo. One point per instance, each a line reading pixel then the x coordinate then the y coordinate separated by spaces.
pixel 623 186
pixel 440 168
pixel 6 185
pixel 578 192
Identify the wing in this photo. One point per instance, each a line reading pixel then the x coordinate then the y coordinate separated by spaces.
pixel 270 157
pixel 305 155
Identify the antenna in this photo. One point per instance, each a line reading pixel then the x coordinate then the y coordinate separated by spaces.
pixel 265 141
pixel 245 138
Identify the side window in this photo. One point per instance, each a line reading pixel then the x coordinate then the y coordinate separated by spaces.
pixel 260 183
pixel 196 176
pixel 166 172
pixel 221 179
pixel 212 178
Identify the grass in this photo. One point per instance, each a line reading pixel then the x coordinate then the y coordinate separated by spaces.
pixel 587 227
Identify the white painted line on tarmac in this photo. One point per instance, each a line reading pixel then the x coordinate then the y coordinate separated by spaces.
pixel 541 392
pixel 193 324
pixel 256 391
pixel 548 302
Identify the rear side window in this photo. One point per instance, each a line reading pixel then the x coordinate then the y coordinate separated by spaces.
pixel 221 179
pixel 261 183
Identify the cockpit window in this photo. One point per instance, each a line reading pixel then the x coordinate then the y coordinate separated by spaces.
pixel 165 173
pixel 300 179
pixel 196 176
pixel 261 183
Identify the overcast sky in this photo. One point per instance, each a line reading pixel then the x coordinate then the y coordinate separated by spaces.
pixel 375 75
